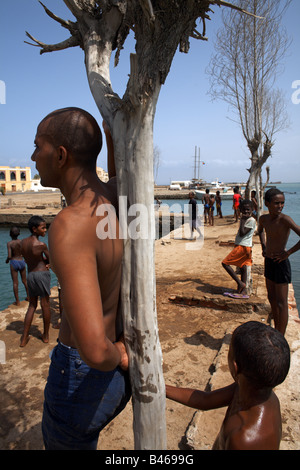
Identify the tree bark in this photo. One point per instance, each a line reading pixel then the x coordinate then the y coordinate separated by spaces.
pixel 134 162
pixel 131 124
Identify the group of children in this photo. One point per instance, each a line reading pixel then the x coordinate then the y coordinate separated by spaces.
pixel 273 230
pixel 209 201
pixel 209 206
pixel 259 356
pixel 34 253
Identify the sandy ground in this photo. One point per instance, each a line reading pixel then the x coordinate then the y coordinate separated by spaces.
pixel 195 323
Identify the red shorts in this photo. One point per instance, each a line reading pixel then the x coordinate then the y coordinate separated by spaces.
pixel 240 256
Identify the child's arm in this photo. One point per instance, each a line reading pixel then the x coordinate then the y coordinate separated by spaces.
pixel 201 400
pixel 262 236
pixel 8 252
pixel 243 230
pixel 286 253
pixel 46 256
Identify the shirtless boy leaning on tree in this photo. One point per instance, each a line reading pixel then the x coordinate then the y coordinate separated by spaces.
pixel 88 364
pixel 276 227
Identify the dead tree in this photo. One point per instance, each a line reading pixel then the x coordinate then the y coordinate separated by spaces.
pixel 159 27
pixel 250 50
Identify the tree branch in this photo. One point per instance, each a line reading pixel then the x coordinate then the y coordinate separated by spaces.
pixel 147 8
pixel 70 42
pixel 221 3
pixel 70 25
pixel 73 41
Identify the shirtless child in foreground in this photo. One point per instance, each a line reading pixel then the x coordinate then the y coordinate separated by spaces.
pixel 258 359
pixel 277 226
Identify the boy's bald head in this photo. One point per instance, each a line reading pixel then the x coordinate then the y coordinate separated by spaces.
pixel 77 131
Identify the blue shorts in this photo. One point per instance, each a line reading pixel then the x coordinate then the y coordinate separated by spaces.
pixel 18 265
pixel 80 401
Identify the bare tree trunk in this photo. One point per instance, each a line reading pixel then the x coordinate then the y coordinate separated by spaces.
pixel 257 163
pixel 254 170
pixel 134 162
pixel 131 124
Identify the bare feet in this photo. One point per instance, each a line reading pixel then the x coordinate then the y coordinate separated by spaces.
pixel 24 341
pixel 242 288
pixel 45 338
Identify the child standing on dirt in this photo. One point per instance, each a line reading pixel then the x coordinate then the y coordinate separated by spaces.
pixel 219 204
pixel 241 255
pixel 205 201
pixel 17 263
pixel 276 226
pixel 36 256
pixel 258 360
pixel 212 201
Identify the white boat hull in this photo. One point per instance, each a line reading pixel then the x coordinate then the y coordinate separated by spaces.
pixel 225 195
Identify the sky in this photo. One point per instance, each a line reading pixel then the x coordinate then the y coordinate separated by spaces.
pixel 186 120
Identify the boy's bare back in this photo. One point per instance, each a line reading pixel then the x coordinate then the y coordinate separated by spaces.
pixel 205 198
pixel 33 251
pixel 14 249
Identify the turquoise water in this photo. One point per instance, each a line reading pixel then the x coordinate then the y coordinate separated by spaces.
pixel 292 205
pixel 291 208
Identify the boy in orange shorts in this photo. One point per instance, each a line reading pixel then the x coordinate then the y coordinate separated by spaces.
pixel 241 255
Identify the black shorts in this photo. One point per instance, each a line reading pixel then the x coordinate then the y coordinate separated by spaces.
pixel 280 273
pixel 38 283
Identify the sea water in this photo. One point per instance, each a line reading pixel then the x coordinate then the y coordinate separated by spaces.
pixel 292 205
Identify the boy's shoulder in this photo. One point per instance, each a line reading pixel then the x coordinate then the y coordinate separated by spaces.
pixel 26 240
pixel 264 218
pixel 250 221
pixel 244 434
pixel 281 218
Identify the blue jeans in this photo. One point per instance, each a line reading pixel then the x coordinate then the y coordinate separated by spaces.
pixel 80 401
